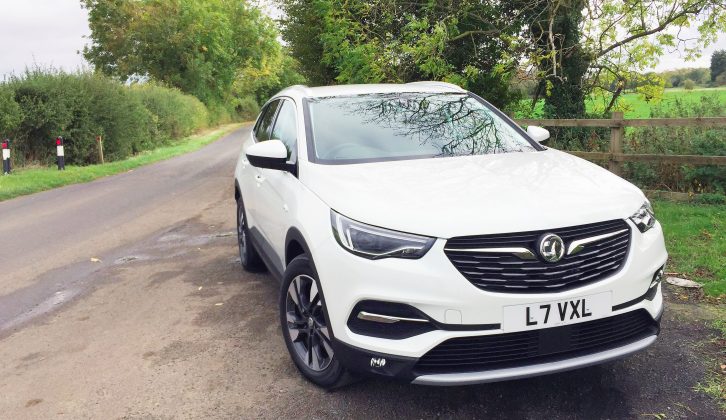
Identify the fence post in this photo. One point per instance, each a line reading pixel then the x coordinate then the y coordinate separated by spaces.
pixel 99 142
pixel 60 154
pixel 617 132
pixel 6 156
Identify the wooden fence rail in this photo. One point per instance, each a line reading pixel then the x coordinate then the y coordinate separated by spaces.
pixel 617 124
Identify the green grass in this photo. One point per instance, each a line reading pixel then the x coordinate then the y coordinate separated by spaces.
pixel 636 107
pixel 696 242
pixel 31 180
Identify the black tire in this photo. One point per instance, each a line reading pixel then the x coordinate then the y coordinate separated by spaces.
pixel 305 327
pixel 248 256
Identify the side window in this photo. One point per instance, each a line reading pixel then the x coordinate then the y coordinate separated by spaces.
pixel 286 128
pixel 264 128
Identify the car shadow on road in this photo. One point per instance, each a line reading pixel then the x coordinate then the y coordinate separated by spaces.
pixel 240 310
pixel 597 392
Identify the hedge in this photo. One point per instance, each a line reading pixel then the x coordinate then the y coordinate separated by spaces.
pixel 40 105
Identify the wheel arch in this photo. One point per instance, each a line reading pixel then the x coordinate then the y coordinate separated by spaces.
pixel 295 245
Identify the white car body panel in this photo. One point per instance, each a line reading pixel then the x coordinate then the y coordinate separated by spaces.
pixel 473 195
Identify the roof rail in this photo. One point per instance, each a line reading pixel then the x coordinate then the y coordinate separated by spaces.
pixel 433 83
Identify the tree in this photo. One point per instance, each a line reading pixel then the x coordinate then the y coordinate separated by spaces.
pixel 198 47
pixel 618 41
pixel 718 64
pixel 561 74
pixel 467 42
pixel 302 29
pixel 689 84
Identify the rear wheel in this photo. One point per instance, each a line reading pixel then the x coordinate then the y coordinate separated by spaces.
pixel 305 326
pixel 248 256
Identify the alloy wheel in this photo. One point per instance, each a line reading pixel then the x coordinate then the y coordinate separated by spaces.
pixel 306 324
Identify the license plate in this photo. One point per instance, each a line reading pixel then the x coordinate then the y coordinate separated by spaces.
pixel 562 312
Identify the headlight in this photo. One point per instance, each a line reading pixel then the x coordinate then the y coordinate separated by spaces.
pixel 374 242
pixel 644 218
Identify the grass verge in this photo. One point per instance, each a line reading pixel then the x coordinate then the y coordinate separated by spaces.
pixel 714 384
pixel 31 180
pixel 696 242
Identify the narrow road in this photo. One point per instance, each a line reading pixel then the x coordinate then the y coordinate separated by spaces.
pixel 63 229
pixel 164 324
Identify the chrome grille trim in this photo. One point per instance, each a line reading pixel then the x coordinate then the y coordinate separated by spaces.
pixel 595 251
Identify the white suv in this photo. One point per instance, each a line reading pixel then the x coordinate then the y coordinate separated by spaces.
pixel 421 234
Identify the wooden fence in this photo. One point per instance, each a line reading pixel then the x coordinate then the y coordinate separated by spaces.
pixel 617 124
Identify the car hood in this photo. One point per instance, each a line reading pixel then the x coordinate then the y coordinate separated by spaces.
pixel 471 195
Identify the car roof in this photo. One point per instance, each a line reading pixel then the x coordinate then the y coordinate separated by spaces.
pixel 300 91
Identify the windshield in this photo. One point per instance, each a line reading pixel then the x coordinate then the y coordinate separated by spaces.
pixel 393 126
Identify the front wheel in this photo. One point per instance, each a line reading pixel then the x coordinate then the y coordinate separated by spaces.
pixel 305 326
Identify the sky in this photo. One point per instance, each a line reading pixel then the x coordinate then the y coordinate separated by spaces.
pixel 51 32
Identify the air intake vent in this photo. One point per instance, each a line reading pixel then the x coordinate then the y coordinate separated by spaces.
pixel 471 354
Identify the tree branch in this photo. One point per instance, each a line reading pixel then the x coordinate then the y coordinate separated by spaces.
pixel 661 26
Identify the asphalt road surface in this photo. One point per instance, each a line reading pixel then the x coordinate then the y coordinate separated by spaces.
pixel 162 323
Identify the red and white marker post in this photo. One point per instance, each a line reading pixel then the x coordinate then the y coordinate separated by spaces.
pixel 6 156
pixel 60 153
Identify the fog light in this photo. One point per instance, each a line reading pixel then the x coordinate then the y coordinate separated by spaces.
pixel 378 362
pixel 657 277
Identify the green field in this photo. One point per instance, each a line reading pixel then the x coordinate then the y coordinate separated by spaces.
pixel 31 180
pixel 696 242
pixel 634 106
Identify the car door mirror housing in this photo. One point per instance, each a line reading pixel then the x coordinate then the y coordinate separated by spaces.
pixel 538 134
pixel 270 154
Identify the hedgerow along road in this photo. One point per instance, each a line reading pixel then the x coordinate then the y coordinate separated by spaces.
pixel 123 297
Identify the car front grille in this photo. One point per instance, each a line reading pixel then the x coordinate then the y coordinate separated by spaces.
pixel 485 261
pixel 471 354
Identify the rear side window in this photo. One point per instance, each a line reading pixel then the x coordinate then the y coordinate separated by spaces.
pixel 286 128
pixel 264 128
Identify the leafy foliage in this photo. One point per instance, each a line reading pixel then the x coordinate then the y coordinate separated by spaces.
pixel 675 78
pixel 302 29
pixel 718 64
pixel 679 140
pixel 174 115
pixel 10 113
pixel 618 41
pixel 81 106
pixel 465 42
pixel 198 47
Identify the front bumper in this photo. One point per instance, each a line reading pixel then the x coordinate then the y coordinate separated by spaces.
pixel 408 369
pixel 469 378
pixel 435 287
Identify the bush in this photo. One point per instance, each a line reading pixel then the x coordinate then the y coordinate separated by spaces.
pixel 247 108
pixel 708 198
pixel 81 106
pixel 10 113
pixel 679 141
pixel 689 84
pixel 220 113
pixel 174 114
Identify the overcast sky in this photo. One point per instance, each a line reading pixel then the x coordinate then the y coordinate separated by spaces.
pixel 51 32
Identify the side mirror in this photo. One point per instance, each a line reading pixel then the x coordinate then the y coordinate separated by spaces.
pixel 270 154
pixel 538 134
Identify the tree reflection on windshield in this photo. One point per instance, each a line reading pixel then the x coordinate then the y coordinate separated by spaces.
pixel 409 125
